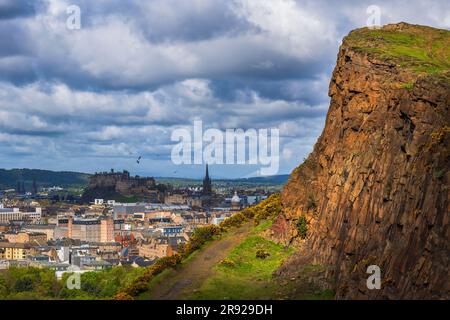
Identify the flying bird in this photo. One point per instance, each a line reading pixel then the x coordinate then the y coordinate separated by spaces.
pixel 139 160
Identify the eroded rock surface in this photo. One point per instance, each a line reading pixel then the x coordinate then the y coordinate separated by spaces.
pixel 375 189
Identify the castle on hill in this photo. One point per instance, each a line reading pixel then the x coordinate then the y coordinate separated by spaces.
pixel 110 184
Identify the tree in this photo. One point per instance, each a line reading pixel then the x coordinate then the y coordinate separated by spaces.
pixel 302 227
pixel 24 284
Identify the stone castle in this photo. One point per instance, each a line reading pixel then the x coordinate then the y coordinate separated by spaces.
pixel 123 183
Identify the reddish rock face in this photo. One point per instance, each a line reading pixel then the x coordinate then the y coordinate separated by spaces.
pixel 375 190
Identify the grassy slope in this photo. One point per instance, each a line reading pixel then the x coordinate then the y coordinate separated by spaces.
pixel 422 50
pixel 248 278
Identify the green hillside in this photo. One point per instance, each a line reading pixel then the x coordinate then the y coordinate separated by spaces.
pixel 44 178
pixel 423 50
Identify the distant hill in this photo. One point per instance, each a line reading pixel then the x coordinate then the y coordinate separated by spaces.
pixel 44 178
pixel 47 178
pixel 277 180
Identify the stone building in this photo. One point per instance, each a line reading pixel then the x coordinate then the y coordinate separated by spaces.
pixel 15 251
pixel 106 184
pixel 26 237
pixel 91 230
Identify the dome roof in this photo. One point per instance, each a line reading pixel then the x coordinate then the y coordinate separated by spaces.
pixel 236 198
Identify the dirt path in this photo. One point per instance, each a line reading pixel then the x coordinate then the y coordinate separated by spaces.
pixel 180 283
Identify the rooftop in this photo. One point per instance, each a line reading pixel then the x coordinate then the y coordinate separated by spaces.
pixel 15 245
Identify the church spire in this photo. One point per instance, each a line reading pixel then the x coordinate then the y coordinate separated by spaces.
pixel 207 188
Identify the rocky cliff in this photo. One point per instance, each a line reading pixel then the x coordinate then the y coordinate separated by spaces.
pixel 375 189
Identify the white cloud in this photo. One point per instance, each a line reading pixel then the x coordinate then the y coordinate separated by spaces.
pixel 288 25
pixel 138 69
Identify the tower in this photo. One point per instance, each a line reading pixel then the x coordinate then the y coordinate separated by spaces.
pixel 235 202
pixel 207 189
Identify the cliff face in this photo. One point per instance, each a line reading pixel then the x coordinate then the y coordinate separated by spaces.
pixel 375 190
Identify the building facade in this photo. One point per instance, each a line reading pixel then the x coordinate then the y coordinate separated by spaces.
pixel 91 230
pixel 10 214
pixel 15 251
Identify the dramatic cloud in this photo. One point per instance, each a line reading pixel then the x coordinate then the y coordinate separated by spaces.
pixel 98 97
pixel 10 9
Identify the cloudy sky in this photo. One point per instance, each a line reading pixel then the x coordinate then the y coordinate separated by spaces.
pixel 98 97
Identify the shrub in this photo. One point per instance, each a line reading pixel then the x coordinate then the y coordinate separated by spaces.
pixel 228 263
pixel 235 220
pixel 248 213
pixel 302 227
pixel 167 262
pixel 312 205
pixel 268 208
pixel 137 287
pixel 24 284
pixel 407 85
pixel 440 174
pixel 200 237
pixel 123 296
pixel 262 254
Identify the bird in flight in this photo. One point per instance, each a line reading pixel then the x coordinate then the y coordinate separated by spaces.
pixel 139 160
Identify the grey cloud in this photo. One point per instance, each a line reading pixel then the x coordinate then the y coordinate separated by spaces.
pixel 139 69
pixel 187 40
pixel 13 39
pixel 10 9
pixel 17 69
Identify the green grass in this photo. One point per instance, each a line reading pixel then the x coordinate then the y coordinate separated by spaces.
pixel 423 50
pixel 247 277
pixel 408 85
pixel 164 276
pixel 155 281
pixel 250 277
pixel 263 226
